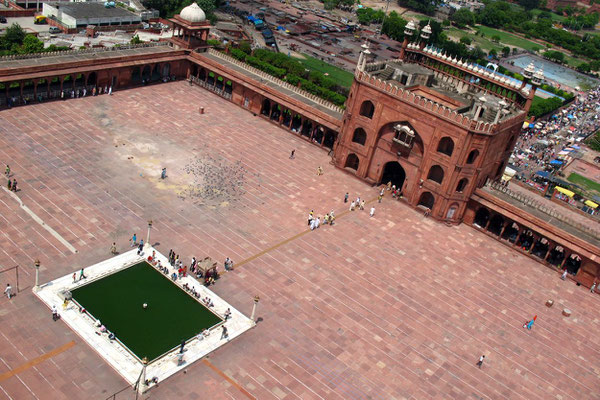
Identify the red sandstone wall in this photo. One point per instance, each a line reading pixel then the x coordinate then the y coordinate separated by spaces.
pixel 379 149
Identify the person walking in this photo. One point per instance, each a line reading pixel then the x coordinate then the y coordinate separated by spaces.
pixel 480 362
pixel 292 154
pixel 8 291
pixel 224 335
pixel 14 185
pixel 163 173
pixel 113 248
pixel 228 264
pixel 593 288
pixel 372 212
pixel 379 198
pixel 319 171
pixel 54 313
pixel 7 171
pixel 74 277
pixel 140 247
pixel 564 275
pixel 9 184
pixel 346 197
pixel 82 275
pixel 529 324
pixel 133 240
pixel 362 205
pixel 352 206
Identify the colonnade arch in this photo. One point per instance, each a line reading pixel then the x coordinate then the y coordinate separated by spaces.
pixel 79 84
pixel 529 241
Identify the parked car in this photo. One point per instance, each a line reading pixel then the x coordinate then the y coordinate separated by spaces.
pixel 3 20
pixel 54 29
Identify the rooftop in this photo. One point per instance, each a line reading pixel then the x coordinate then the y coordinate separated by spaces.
pixel 48 59
pixel 92 10
pixel 563 218
pixel 464 99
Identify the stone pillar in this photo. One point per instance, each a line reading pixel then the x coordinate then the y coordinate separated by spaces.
pixel 21 84
pixel 487 224
pixel 35 83
pixel 564 261
pixel 504 229
pixel 518 236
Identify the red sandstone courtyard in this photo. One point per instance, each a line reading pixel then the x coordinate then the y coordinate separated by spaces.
pixel 391 307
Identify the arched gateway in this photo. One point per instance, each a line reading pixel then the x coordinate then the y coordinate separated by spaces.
pixel 393 172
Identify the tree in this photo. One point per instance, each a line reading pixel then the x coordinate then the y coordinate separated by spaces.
pixel 136 40
pixel 506 51
pixel 463 17
pixel 426 7
pixel 14 36
pixel 529 4
pixel 496 39
pixel 466 40
pixel 554 55
pixel 30 45
pixel 493 53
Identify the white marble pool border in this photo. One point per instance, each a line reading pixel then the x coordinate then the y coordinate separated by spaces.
pixel 128 366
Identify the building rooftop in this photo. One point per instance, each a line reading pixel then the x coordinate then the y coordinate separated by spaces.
pixel 464 99
pixel 564 218
pixel 92 10
pixel 8 63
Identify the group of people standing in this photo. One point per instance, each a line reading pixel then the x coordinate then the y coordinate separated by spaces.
pixel 12 184
pixel 315 222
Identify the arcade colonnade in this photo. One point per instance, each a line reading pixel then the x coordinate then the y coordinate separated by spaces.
pixel 527 239
pixel 48 86
pixel 263 105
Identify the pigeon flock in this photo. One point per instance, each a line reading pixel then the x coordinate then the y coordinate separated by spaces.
pixel 215 180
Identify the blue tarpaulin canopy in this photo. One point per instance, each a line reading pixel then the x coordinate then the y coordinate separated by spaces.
pixel 543 174
pixel 531 125
pixel 556 162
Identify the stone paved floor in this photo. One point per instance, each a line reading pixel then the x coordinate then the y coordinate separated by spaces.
pixel 390 307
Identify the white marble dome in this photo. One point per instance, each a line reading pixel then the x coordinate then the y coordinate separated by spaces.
pixel 193 13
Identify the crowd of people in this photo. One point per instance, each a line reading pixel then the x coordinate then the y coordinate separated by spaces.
pixel 540 143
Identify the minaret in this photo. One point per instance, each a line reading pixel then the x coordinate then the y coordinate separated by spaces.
pixel 409 30
pixel 365 46
pixel 362 58
pixel 527 74
pixel 536 81
pixel 425 35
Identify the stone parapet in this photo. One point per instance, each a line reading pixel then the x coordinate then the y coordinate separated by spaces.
pixel 84 51
pixel 430 106
pixel 277 81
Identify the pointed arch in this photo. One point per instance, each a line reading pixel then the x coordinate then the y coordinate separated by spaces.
pixel 359 136
pixel 367 109
pixel 446 146
pixel 352 161
pixel 436 174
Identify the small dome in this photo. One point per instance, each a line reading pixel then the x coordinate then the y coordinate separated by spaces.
pixel 193 13
pixel 427 28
